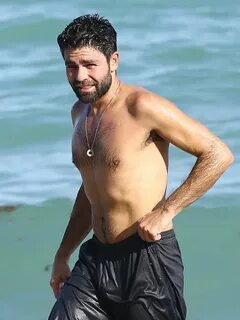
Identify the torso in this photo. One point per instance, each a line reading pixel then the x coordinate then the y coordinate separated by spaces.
pixel 127 176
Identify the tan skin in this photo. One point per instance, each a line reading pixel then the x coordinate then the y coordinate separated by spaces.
pixel 124 183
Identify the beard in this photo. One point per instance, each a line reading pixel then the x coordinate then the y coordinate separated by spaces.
pixel 101 87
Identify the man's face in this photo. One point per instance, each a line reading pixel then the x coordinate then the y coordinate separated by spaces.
pixel 88 73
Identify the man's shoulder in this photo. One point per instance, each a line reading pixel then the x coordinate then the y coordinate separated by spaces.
pixel 76 110
pixel 141 101
pixel 76 107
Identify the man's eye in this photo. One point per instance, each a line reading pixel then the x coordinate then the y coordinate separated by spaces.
pixel 71 66
pixel 90 65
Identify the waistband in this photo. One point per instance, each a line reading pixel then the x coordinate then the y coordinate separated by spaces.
pixel 131 243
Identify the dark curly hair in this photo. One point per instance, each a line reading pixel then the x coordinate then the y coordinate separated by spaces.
pixel 89 30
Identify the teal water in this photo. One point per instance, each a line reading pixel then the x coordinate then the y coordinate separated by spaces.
pixel 187 51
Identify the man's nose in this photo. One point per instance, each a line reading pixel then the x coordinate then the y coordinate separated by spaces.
pixel 81 74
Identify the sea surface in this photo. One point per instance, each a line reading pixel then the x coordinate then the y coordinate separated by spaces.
pixel 187 51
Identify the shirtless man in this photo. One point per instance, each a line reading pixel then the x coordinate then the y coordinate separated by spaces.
pixel 131 268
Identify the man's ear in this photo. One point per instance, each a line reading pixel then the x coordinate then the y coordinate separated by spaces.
pixel 114 60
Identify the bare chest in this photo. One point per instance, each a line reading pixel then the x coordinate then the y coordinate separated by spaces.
pixel 115 142
pixel 107 143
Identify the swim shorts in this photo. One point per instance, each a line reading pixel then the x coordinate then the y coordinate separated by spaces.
pixel 131 280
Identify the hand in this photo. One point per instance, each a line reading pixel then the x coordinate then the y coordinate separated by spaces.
pixel 60 272
pixel 152 224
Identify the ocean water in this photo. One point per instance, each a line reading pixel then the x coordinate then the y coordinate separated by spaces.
pixel 187 51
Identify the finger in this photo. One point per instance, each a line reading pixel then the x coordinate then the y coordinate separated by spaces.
pixel 157 236
pixel 150 236
pixel 141 231
pixel 141 234
pixel 145 234
pixel 144 229
pixel 55 284
pixel 61 284
pixel 154 235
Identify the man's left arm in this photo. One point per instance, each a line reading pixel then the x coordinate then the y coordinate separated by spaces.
pixel 213 158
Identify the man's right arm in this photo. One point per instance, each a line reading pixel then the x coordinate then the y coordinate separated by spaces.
pixel 79 226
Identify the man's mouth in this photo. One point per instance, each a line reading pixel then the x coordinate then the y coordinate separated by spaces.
pixel 85 88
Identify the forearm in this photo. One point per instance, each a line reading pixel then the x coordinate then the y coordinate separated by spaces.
pixel 206 171
pixel 79 225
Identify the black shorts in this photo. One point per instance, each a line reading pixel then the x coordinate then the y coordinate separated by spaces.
pixel 131 280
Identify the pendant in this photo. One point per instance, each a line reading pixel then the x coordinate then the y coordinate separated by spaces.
pixel 90 153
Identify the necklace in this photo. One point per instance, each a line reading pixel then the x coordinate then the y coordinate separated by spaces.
pixel 90 151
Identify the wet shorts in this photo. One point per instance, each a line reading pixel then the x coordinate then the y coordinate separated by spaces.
pixel 131 280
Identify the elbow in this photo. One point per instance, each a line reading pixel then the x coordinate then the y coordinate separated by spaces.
pixel 226 157
pixel 229 158
pixel 221 155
